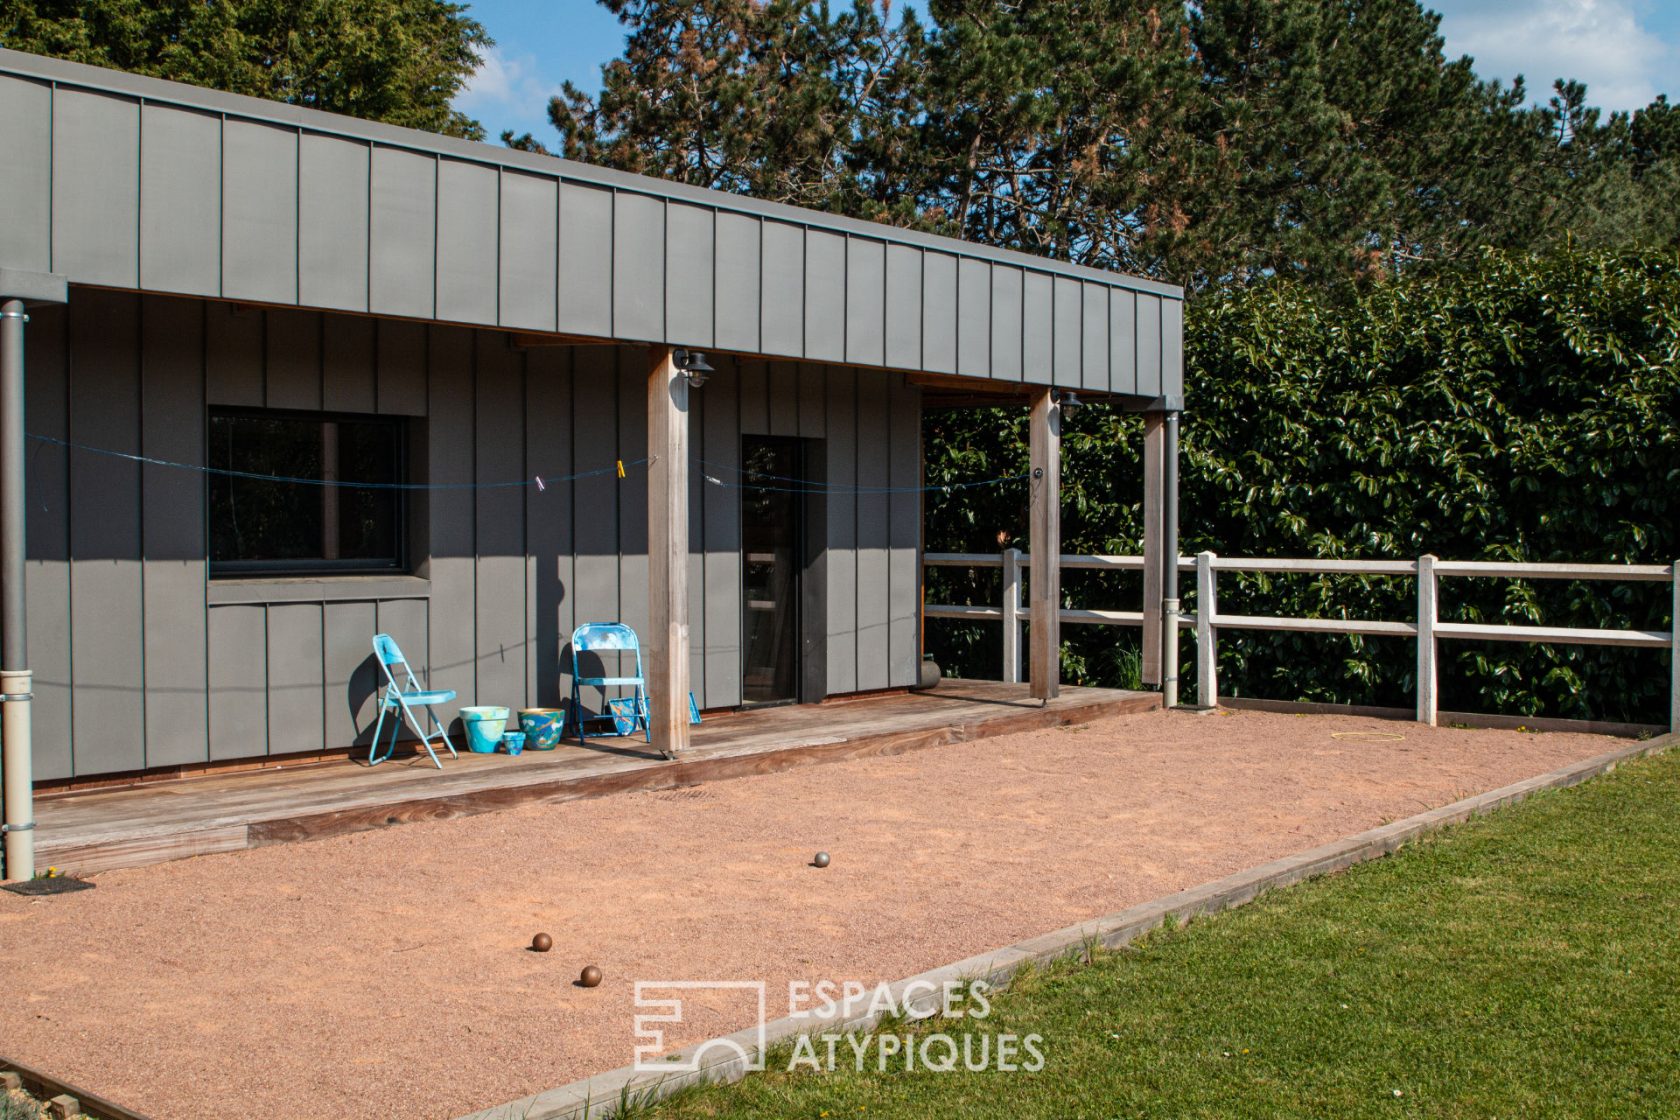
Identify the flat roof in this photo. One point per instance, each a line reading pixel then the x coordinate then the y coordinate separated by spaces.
pixel 131 182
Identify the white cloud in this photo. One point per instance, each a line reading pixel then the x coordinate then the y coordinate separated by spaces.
pixel 1604 43
pixel 508 91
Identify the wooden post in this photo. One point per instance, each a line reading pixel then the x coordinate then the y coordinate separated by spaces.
pixel 1674 651
pixel 1044 545
pixel 1154 504
pixel 1207 651
pixel 1012 615
pixel 1426 646
pixel 667 639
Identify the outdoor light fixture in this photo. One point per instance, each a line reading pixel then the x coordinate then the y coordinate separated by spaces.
pixel 693 365
pixel 1069 401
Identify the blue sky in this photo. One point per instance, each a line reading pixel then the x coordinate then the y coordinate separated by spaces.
pixel 1627 51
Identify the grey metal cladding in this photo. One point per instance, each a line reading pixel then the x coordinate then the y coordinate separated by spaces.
pixel 866 301
pixel 130 182
pixel 402 234
pixel 690 274
pixel 825 296
pixel 528 275
pixel 738 265
pixel 1122 340
pixel 468 233
pixel 95 188
pixel 638 267
pixel 332 223
pixel 26 174
pixel 181 201
pixel 259 212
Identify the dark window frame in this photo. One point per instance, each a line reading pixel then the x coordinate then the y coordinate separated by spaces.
pixel 307 567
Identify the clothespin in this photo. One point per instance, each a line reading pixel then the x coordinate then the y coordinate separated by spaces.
pixel 621 468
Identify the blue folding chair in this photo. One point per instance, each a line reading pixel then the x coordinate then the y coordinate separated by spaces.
pixel 403 699
pixel 632 711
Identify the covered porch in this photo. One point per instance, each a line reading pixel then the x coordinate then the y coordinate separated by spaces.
pixel 151 822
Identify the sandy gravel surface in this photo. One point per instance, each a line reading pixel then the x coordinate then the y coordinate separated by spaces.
pixel 385 974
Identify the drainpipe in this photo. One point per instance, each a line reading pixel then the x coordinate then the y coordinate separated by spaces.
pixel 18 290
pixel 15 748
pixel 1169 557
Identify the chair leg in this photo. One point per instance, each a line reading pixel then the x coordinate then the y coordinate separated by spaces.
pixel 420 730
pixel 373 744
pixel 577 711
pixel 443 731
pixel 642 713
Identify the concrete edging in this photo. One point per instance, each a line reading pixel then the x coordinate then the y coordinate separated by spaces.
pixel 600 1096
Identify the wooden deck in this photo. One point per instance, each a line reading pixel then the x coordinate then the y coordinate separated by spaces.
pixel 98 830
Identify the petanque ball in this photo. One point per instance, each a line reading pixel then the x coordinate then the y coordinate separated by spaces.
pixel 542 942
pixel 821 860
pixel 591 977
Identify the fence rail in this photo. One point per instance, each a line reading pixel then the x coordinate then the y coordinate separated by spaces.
pixel 1427 629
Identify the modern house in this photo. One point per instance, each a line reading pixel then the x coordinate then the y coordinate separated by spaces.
pixel 222 291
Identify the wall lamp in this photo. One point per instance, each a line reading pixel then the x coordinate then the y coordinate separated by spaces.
pixel 1069 400
pixel 693 365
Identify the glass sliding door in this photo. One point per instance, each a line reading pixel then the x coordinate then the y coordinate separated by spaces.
pixel 772 520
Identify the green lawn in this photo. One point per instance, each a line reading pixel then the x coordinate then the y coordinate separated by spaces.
pixel 1523 965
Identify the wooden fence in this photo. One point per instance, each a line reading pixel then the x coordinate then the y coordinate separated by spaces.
pixel 1427 628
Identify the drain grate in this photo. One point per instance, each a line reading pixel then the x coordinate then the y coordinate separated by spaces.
pixel 58 884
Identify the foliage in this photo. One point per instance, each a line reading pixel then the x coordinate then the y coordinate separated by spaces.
pixel 398 61
pixel 1522 407
pixel 1490 971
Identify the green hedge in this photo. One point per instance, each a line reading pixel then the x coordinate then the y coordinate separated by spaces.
pixel 1524 408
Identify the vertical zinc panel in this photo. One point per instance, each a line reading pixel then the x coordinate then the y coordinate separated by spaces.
pixel 351 677
pixel 233 354
pixel 586 252
pixel 1172 347
pixel 238 645
pixel 530 231
pixel 1069 334
pixel 720 439
pixel 904 307
pixel 500 600
pixel 904 530
pixel 259 212
pixel 349 381
pixel 632 500
pixel 294 359
pixel 689 275
pixel 974 318
pixel 106 599
pixel 595 520
pixel 173 530
pixel 1122 340
pixel 26 173
pixel 180 201
pixel 841 558
pixel 638 267
pixel 783 384
pixel 402 233
pixel 467 228
pixel 738 272
pixel 47 579
pixel 548 513
pixel 401 364
pixel 95 188
pixel 754 394
pixel 407 620
pixel 825 296
pixel 296 684
pixel 874 438
pixel 783 302
pixel 1094 351
pixel 813 400
pixel 333 223
pixel 1149 345
pixel 1037 328
pixel 450 427
pixel 1006 322
pixel 866 301
pixel 939 311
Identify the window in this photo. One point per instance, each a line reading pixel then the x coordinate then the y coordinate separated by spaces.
pixel 302 527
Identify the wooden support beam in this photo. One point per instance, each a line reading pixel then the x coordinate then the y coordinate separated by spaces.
pixel 1044 545
pixel 1154 504
pixel 667 638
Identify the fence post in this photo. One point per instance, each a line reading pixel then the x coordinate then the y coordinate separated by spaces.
pixel 1012 615
pixel 1207 653
pixel 1427 587
pixel 1674 651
